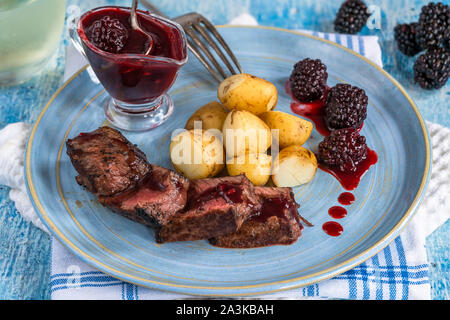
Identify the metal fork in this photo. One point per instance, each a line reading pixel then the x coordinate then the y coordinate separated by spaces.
pixel 197 28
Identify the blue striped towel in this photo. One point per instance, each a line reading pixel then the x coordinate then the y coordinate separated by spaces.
pixel 400 271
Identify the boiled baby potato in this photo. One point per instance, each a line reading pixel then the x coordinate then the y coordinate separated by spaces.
pixel 211 116
pixel 256 167
pixel 197 154
pixel 291 129
pixel 247 92
pixel 294 166
pixel 243 132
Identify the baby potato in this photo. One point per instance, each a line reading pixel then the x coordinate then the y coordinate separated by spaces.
pixel 247 92
pixel 211 115
pixel 197 154
pixel 291 129
pixel 256 167
pixel 243 132
pixel 294 166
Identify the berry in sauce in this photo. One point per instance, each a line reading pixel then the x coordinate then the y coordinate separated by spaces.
pixel 343 149
pixel 108 34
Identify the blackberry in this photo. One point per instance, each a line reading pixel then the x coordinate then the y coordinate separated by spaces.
pixel 108 34
pixel 351 17
pixel 446 41
pixel 405 35
pixel 446 44
pixel 434 24
pixel 346 106
pixel 308 80
pixel 431 69
pixel 343 149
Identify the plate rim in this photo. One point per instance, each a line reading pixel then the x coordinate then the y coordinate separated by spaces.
pixel 282 284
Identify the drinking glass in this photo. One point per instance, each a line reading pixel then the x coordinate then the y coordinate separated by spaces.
pixel 30 31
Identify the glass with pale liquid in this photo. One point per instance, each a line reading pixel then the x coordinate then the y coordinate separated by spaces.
pixel 30 31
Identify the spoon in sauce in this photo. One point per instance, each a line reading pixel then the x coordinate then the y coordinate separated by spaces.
pixel 142 38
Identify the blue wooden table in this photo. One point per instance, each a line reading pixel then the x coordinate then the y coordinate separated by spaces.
pixel 25 249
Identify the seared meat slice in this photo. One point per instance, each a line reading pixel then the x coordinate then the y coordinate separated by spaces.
pixel 276 222
pixel 216 206
pixel 106 162
pixel 118 173
pixel 160 195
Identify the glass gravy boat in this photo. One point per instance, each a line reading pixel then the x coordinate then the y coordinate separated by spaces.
pixel 137 83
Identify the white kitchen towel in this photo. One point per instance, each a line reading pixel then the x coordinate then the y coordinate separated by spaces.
pixel 400 271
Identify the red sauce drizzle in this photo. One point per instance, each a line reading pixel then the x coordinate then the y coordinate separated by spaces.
pixel 273 207
pixel 337 212
pixel 230 192
pixel 311 110
pixel 350 180
pixel 346 198
pixel 332 228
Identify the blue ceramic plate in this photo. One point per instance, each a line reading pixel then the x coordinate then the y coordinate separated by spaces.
pixel 385 199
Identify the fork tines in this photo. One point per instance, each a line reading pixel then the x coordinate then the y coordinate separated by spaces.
pixel 200 34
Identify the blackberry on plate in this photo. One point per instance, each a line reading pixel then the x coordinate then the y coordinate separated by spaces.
pixel 308 80
pixel 405 35
pixel 433 25
pixel 108 34
pixel 344 149
pixel 351 17
pixel 431 69
pixel 346 106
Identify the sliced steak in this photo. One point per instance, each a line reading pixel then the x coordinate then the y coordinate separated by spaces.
pixel 106 162
pixel 160 195
pixel 118 173
pixel 276 222
pixel 216 206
